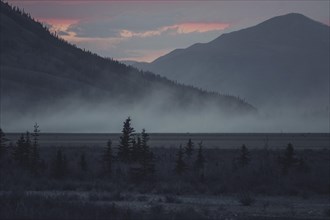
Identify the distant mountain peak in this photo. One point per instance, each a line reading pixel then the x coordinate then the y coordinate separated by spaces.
pixel 287 54
pixel 287 20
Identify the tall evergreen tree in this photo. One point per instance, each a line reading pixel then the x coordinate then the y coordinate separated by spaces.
pixel 35 156
pixel 244 158
pixel 200 161
pixel 189 148
pixel 180 165
pixel 124 148
pixel 147 157
pixel 134 151
pixel 288 160
pixel 19 149
pixel 60 167
pixel 27 150
pixel 3 141
pixel 108 158
pixel 139 148
pixel 83 163
pixel 22 150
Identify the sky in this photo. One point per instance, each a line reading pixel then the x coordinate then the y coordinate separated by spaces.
pixel 146 30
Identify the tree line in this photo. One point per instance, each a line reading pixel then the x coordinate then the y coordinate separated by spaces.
pixel 133 152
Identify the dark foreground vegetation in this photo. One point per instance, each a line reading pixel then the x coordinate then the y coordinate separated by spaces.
pixel 134 181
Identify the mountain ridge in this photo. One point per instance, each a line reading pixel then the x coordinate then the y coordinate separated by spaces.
pixel 282 48
pixel 41 72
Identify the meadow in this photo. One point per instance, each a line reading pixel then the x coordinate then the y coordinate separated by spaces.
pixel 231 182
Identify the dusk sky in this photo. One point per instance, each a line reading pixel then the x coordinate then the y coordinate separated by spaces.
pixel 145 30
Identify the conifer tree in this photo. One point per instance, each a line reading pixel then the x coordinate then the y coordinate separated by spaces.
pixel 199 164
pixel 83 163
pixel 134 151
pixel 35 156
pixel 189 148
pixel 18 150
pixel 200 161
pixel 244 157
pixel 139 149
pixel 147 157
pixel 108 158
pixel 3 141
pixel 124 148
pixel 60 168
pixel 288 160
pixel 180 165
pixel 27 150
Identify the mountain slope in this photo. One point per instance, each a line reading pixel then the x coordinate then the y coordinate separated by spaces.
pixel 46 75
pixel 282 61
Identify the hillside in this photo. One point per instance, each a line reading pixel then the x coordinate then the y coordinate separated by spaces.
pixel 41 73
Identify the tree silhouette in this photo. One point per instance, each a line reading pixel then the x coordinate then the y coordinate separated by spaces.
pixel 136 150
pixel 60 166
pixel 124 148
pixel 27 150
pixel 22 150
pixel 108 158
pixel 83 163
pixel 288 160
pixel 18 149
pixel 244 158
pixel 147 157
pixel 3 140
pixel 35 156
pixel 189 148
pixel 200 161
pixel 180 165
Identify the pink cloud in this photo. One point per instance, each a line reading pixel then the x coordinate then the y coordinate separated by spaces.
pixel 183 28
pixel 200 27
pixel 59 24
pixel 145 55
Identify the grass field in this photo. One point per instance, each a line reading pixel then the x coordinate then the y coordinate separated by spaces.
pixel 223 190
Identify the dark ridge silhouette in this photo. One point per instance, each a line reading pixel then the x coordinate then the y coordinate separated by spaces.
pixel 40 69
pixel 281 61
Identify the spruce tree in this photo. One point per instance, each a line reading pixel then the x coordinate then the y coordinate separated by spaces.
pixel 244 158
pixel 124 148
pixel 189 148
pixel 288 160
pixel 3 140
pixel 27 150
pixel 108 158
pixel 199 164
pixel 35 156
pixel 134 151
pixel 147 157
pixel 18 150
pixel 180 165
pixel 200 161
pixel 60 168
pixel 139 149
pixel 83 163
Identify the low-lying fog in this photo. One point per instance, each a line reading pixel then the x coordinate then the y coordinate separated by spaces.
pixel 108 118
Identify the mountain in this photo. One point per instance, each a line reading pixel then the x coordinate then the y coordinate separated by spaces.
pixel 45 78
pixel 281 62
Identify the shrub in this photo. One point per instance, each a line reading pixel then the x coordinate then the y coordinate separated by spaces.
pixel 246 199
pixel 327 212
pixel 172 199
